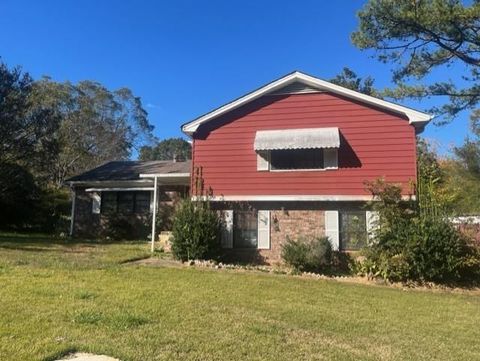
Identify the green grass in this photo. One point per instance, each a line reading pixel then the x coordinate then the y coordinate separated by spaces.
pixel 57 297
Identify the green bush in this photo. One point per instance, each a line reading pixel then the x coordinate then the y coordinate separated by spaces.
pixel 196 230
pixel 416 241
pixel 308 255
pixel 120 227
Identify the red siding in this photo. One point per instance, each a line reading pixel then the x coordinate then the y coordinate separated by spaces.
pixel 374 143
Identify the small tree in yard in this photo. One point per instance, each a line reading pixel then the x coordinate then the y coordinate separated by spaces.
pixel 196 227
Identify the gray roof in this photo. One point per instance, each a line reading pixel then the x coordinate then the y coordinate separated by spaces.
pixel 130 170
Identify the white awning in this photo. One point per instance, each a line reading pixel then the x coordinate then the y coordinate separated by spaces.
pixel 297 139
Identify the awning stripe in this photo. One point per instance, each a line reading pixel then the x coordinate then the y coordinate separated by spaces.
pixel 310 138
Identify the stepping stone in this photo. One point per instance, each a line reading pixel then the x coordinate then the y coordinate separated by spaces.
pixel 88 357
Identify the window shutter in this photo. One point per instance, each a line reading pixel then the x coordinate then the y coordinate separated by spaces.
pixel 96 203
pixel 331 229
pixel 372 224
pixel 227 231
pixel 330 158
pixel 263 160
pixel 263 230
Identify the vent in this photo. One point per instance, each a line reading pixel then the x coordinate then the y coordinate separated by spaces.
pixel 296 88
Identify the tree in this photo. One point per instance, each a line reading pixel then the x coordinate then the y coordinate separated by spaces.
pixel 96 124
pixel 419 36
pixel 349 79
pixel 25 127
pixel 167 149
pixel 462 175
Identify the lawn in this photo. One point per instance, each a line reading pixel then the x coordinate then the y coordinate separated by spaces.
pixel 57 297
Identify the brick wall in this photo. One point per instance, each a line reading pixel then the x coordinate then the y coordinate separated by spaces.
pixel 293 224
pixel 90 225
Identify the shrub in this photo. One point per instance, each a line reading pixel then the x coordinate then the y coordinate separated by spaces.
pixel 125 227
pixel 196 229
pixel 308 255
pixel 416 241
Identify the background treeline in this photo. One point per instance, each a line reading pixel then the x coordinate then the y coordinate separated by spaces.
pixel 52 130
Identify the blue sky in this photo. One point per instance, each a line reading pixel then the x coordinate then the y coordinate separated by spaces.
pixel 184 58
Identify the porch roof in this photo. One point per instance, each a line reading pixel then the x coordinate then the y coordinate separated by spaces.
pixel 121 171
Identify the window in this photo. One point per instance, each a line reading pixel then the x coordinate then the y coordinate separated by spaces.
pixel 245 225
pixel 142 202
pixel 109 202
pixel 353 230
pixel 296 159
pixel 125 202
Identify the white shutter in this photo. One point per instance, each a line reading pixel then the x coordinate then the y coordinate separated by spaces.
pixel 263 230
pixel 151 201
pixel 263 160
pixel 227 231
pixel 372 224
pixel 331 229
pixel 330 158
pixel 96 203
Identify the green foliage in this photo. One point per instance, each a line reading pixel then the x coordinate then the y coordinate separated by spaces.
pixel 121 227
pixel 196 230
pixel 96 124
pixel 349 79
pixel 19 194
pixel 314 255
pixel 167 149
pixel 419 37
pixel 415 240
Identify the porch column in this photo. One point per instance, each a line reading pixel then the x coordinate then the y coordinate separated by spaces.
pixel 72 214
pixel 154 213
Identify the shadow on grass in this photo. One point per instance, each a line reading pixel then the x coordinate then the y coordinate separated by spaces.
pixel 46 240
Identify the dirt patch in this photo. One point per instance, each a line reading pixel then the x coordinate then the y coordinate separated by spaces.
pixel 157 262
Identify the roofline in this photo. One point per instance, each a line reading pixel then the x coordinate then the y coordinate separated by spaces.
pixel 415 117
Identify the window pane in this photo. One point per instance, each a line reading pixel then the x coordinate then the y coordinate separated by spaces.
pixel 297 159
pixel 245 229
pixel 142 202
pixel 109 202
pixel 353 230
pixel 125 202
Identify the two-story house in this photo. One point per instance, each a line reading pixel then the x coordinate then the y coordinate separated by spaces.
pixel 291 158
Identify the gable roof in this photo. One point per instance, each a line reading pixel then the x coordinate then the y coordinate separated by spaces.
pixel 415 117
pixel 131 170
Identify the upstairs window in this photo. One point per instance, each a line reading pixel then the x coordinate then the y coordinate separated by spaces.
pixel 286 159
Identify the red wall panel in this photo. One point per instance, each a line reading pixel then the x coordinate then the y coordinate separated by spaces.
pixel 374 143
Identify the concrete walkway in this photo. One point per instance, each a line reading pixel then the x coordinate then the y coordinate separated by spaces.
pixel 88 357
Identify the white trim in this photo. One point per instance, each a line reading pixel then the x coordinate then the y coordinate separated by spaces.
pixel 114 189
pixel 292 198
pixel 165 175
pixel 414 116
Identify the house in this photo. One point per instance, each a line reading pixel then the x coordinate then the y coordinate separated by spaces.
pixel 121 194
pixel 290 160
